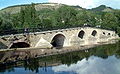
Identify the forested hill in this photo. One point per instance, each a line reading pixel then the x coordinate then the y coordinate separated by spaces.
pixel 102 8
pixel 48 16
pixel 52 6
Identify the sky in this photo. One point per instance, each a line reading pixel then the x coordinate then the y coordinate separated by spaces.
pixel 90 3
pixel 83 3
pixel 6 3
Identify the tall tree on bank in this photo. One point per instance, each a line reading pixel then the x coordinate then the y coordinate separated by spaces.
pixel 117 14
pixel 109 21
pixel 28 16
pixel 65 16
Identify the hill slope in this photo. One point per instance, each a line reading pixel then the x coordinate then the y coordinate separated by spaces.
pixel 38 6
pixel 102 8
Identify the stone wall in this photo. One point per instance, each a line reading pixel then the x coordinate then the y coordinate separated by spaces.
pixel 72 36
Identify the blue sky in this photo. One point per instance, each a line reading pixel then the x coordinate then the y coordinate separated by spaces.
pixel 6 3
pixel 90 3
pixel 83 3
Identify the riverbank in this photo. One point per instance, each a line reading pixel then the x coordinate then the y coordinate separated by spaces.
pixel 13 55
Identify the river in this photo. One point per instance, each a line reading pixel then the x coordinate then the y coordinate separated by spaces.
pixel 104 59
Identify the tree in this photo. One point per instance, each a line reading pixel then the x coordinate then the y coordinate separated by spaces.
pixel 117 14
pixel 6 21
pixel 109 21
pixel 28 16
pixel 65 16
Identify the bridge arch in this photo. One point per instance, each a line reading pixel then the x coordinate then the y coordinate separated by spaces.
pixel 81 34
pixel 20 45
pixel 94 33
pixel 109 34
pixel 58 40
pixel 103 33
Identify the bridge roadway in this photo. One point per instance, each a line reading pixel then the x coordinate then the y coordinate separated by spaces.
pixel 57 38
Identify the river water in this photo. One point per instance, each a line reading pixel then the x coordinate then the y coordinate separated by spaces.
pixel 104 59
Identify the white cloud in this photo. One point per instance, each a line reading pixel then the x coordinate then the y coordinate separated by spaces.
pixel 83 3
pixel 89 3
pixel 94 65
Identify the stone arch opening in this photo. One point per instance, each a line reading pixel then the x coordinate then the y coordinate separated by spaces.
pixel 108 33
pixel 20 45
pixel 81 34
pixel 94 33
pixel 58 40
pixel 103 33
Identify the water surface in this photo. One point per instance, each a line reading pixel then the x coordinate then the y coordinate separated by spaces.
pixel 103 59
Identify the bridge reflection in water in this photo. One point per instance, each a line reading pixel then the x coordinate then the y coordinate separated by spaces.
pixel 103 59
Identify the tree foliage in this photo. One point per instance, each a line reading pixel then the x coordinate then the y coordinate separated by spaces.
pixel 62 17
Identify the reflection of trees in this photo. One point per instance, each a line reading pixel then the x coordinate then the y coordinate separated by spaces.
pixel 102 51
pixel 108 50
pixel 5 67
pixel 118 50
pixel 32 65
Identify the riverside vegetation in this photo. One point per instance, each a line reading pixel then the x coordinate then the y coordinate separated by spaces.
pixel 62 17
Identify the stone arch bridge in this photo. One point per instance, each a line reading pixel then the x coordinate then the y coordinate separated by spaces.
pixel 57 38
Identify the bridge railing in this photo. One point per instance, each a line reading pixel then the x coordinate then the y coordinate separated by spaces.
pixel 18 31
pixel 28 30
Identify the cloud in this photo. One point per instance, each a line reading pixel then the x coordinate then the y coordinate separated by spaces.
pixel 89 3
pixel 83 3
pixel 94 65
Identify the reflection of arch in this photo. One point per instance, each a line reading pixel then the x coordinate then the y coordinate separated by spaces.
pixel 94 33
pixel 58 40
pixel 20 45
pixel 81 34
